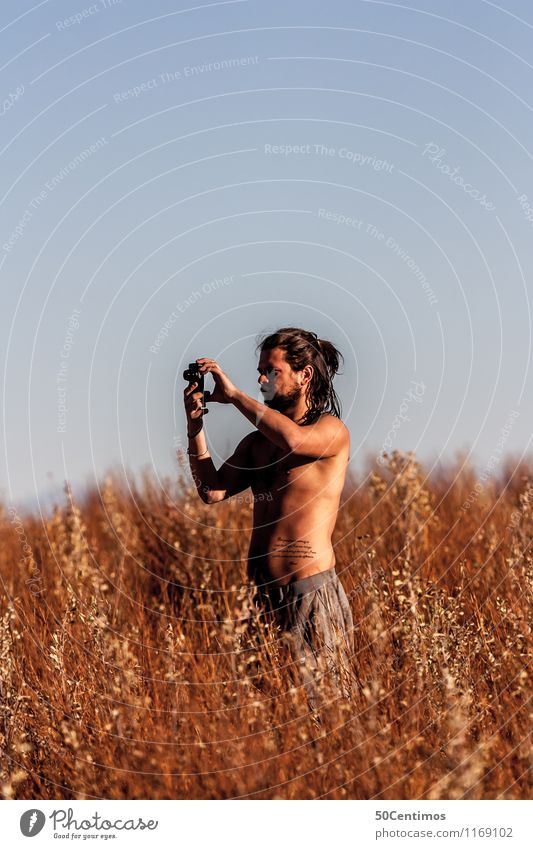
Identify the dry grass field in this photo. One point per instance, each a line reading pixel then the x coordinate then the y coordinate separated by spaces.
pixel 128 669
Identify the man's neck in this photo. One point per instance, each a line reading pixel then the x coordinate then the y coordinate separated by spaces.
pixel 296 414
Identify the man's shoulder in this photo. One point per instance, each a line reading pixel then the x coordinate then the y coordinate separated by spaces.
pixel 331 432
pixel 333 423
pixel 330 417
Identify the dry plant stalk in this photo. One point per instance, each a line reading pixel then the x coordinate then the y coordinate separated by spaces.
pixel 132 664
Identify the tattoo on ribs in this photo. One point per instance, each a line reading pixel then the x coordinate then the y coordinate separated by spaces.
pixel 293 550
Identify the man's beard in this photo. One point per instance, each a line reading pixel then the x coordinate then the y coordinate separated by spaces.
pixel 281 403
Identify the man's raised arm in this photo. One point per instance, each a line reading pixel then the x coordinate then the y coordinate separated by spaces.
pixel 323 439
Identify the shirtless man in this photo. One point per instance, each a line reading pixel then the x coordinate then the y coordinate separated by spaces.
pixel 295 463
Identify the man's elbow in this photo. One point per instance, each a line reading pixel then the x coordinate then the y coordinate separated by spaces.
pixel 212 496
pixel 204 494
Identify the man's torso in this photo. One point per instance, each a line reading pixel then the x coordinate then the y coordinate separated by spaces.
pixel 296 499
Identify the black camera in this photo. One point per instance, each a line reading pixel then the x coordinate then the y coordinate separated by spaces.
pixel 192 374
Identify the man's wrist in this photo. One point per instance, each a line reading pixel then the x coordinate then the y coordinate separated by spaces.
pixel 195 434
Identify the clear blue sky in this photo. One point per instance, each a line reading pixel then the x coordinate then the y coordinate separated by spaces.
pixel 361 169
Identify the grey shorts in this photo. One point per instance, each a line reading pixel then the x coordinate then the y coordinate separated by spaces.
pixel 314 617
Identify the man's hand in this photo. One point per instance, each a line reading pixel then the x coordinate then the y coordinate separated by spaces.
pixel 225 390
pixel 193 408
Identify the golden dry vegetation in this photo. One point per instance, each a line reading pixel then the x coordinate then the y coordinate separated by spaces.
pixel 128 669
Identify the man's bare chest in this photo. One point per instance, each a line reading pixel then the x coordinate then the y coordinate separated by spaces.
pixel 275 469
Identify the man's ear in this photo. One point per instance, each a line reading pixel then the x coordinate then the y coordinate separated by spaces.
pixel 307 373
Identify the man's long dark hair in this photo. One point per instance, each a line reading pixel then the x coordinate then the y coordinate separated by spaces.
pixel 302 347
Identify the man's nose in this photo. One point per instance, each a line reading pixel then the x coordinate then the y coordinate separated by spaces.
pixel 262 378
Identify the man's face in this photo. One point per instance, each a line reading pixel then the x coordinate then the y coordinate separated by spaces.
pixel 279 384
